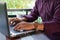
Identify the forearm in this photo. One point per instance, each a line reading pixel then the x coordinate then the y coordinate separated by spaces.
pixel 23 19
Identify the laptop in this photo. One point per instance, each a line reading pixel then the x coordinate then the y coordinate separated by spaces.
pixel 4 27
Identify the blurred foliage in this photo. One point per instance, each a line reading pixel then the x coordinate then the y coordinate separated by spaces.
pixel 19 3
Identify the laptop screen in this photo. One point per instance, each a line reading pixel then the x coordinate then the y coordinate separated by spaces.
pixel 3 19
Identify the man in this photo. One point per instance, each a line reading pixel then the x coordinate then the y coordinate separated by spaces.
pixel 49 11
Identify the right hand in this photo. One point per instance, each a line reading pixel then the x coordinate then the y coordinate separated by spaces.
pixel 24 26
pixel 14 21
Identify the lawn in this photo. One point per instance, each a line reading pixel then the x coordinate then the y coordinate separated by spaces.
pixel 19 3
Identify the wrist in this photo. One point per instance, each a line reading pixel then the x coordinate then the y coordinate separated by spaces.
pixel 35 25
pixel 39 26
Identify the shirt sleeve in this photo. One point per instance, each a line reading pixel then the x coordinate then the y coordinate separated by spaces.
pixel 34 13
pixel 53 26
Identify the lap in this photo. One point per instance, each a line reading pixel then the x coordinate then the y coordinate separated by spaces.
pixel 55 36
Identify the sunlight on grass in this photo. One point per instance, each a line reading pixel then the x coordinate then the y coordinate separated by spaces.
pixel 19 3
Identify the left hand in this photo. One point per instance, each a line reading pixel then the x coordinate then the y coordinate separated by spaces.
pixel 24 26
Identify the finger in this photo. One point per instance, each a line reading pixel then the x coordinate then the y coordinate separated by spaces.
pixel 11 20
pixel 18 29
pixel 17 26
pixel 14 22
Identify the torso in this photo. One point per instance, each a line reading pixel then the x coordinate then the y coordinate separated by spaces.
pixel 46 9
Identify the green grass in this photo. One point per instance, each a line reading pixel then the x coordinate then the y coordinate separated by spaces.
pixel 19 3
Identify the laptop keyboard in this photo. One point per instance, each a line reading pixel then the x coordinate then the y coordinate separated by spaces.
pixel 14 32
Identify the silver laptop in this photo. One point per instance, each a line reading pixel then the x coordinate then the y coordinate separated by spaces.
pixel 4 27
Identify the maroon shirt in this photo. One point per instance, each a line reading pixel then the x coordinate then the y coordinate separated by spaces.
pixel 49 11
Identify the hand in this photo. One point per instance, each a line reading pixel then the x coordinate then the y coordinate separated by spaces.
pixel 24 26
pixel 14 21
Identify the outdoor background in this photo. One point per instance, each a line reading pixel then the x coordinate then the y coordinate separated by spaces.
pixel 19 3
